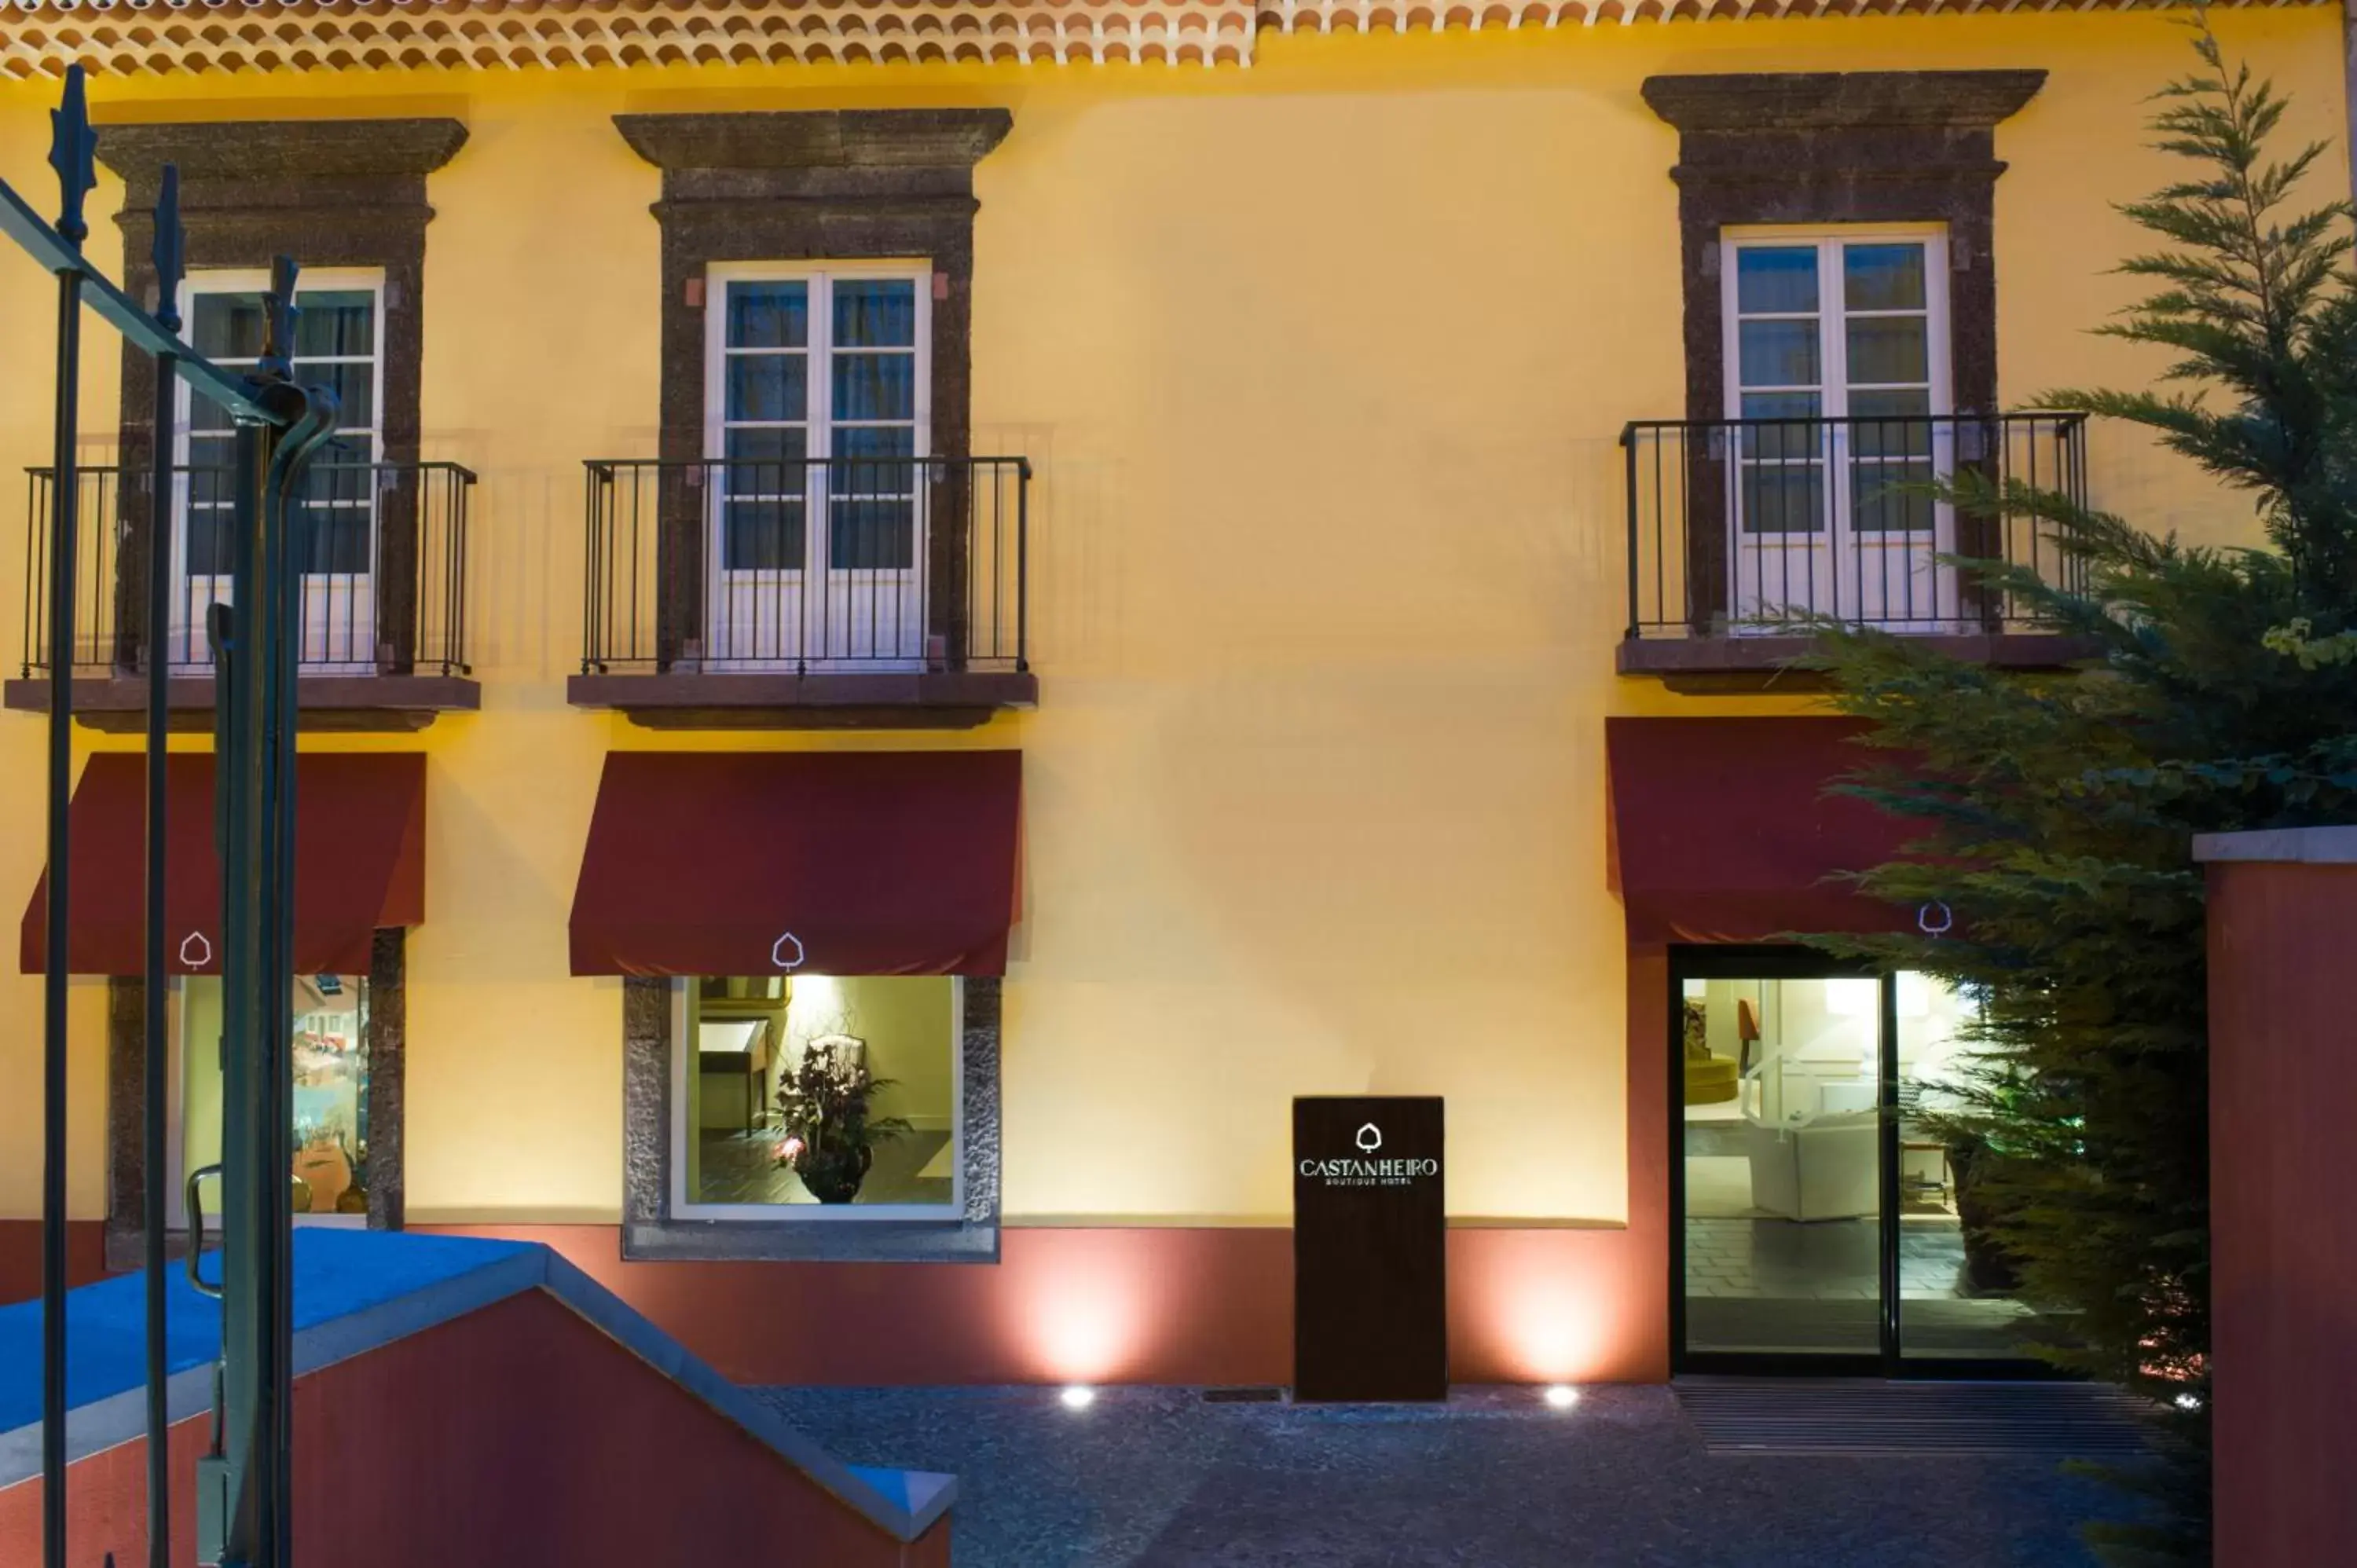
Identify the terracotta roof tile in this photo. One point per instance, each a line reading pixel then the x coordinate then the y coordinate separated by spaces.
pixel 136 36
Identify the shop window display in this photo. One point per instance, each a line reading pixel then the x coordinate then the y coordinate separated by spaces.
pixel 818 1092
pixel 329 1062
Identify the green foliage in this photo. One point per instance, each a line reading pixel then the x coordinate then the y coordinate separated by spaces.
pixel 2059 810
pixel 823 1112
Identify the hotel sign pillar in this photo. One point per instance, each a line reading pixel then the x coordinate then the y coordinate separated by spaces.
pixel 1369 1250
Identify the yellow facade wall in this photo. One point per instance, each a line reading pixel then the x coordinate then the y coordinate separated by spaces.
pixel 1321 364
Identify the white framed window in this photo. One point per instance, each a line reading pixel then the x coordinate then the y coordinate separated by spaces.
pixel 739 1045
pixel 818 401
pixel 1837 348
pixel 330 1066
pixel 339 342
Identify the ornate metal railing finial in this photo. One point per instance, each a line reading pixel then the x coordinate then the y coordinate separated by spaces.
pixel 73 152
pixel 279 313
pixel 171 249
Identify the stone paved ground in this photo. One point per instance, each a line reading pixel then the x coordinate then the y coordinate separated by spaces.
pixel 1156 1478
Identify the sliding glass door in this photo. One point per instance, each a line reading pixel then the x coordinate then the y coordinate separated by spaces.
pixel 1820 1224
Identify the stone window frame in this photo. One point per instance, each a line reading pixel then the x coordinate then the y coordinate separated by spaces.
pixel 812 185
pixel 649 1232
pixel 127 1101
pixel 1827 147
pixel 329 193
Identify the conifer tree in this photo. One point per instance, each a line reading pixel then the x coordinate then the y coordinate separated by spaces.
pixel 2059 810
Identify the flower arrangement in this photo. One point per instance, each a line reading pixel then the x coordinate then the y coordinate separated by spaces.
pixel 825 1133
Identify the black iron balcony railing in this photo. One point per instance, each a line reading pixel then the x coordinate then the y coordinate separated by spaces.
pixel 381 547
pixel 836 565
pixel 1749 526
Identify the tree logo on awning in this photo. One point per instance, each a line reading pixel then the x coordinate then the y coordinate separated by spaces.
pixel 1370 1138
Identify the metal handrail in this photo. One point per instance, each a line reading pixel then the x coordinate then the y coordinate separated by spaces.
pixel 817 564
pixel 420 510
pixel 1744 525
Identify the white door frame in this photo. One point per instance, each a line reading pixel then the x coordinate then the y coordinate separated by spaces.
pixel 1889 578
pixel 338 609
pixel 810 617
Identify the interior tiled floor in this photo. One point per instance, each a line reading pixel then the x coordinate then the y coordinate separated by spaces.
pixel 741 1167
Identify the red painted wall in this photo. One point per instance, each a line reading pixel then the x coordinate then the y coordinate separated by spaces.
pixel 516 1434
pixel 20 1256
pixel 2282 1109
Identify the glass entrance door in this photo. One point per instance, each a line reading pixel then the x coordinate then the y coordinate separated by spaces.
pixel 1823 1224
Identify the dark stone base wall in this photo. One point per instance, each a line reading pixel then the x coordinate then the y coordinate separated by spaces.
pixel 388 1042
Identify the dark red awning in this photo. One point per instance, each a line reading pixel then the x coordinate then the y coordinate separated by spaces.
pixel 1722 830
pixel 833 862
pixel 360 863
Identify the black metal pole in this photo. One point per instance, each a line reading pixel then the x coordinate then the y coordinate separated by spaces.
pixel 159 609
pixel 62 497
pixel 247 1104
pixel 72 144
pixel 167 252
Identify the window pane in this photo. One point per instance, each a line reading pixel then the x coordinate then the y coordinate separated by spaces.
pixel 354 386
pixel 332 538
pixel 226 326
pixel 876 315
pixel 1783 405
pixel 874 386
pixel 763 534
pixel 1886 349
pixel 1775 280
pixel 333 321
pixel 1788 443
pixel 204 414
pixel 211 489
pixel 777 1061
pixel 1782 497
pixel 1882 277
pixel 331 1100
pixel 766 386
pixel 341 475
pixel 1777 1088
pixel 871 535
pixel 207 546
pixel 780 446
pixel 1779 353
pixel 768 315
pixel 1891 496
pixel 874 458
pixel 1882 427
pixel 1958 1287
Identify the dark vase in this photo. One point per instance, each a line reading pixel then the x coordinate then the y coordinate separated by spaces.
pixel 835 1177
pixel 1988 1268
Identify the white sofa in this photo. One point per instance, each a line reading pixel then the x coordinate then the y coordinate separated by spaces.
pixel 1828 1168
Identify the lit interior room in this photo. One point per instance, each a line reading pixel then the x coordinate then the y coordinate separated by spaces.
pixel 330 1067
pixel 784 1064
pixel 1784 1198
